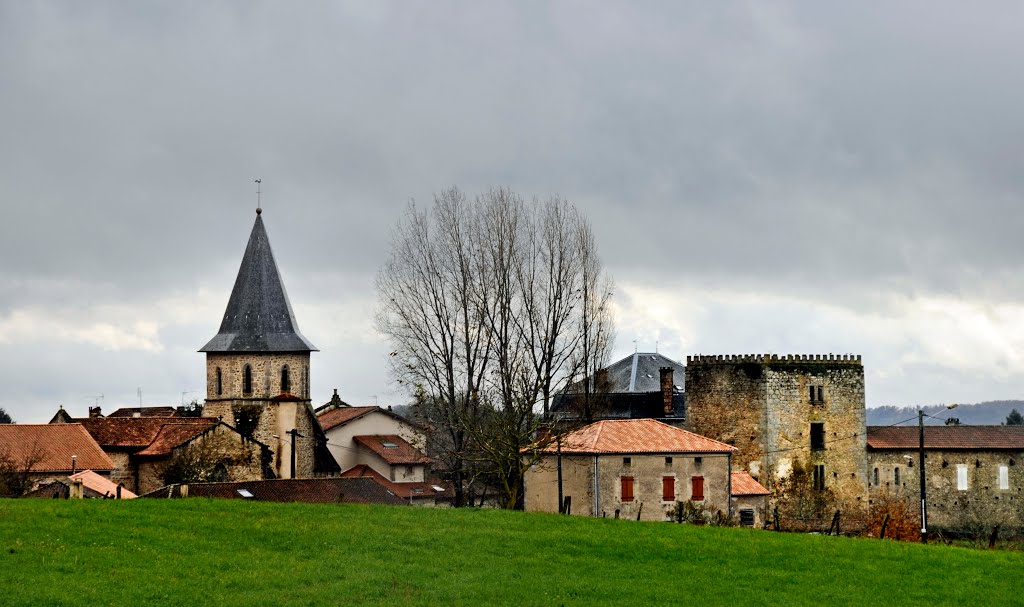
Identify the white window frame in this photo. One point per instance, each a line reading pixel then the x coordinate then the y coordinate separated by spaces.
pixel 961 477
pixel 1004 477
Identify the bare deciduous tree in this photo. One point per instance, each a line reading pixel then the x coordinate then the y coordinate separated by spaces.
pixel 16 472
pixel 492 306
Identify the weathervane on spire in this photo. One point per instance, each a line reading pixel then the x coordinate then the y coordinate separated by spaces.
pixel 258 192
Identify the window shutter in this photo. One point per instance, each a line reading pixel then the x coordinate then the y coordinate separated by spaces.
pixel 668 488
pixel 627 488
pixel 697 493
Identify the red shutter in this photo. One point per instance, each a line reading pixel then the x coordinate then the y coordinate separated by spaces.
pixel 627 488
pixel 668 488
pixel 698 488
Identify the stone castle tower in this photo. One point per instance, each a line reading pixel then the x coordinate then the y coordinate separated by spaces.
pixel 782 411
pixel 257 366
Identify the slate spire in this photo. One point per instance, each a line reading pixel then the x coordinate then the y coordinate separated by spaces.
pixel 259 317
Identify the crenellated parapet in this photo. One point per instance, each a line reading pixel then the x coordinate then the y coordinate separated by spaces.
pixel 699 359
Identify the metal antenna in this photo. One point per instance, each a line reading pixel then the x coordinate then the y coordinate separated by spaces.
pixel 96 400
pixel 259 187
pixel 139 390
pixel 183 393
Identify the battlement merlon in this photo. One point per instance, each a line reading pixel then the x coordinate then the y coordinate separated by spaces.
pixel 726 359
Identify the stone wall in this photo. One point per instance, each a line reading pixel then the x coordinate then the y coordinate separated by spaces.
pixel 978 508
pixel 763 405
pixel 240 458
pixel 647 471
pixel 756 503
pixel 266 374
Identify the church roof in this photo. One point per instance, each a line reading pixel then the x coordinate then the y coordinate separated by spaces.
pixel 259 317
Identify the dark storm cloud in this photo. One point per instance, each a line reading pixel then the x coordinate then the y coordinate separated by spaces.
pixel 832 153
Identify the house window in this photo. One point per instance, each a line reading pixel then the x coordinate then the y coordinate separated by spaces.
pixel 286 380
pixel 627 461
pixel 875 477
pixel 821 394
pixel 819 477
pixel 817 436
pixel 247 380
pixel 220 383
pixel 697 488
pixel 896 476
pixel 627 488
pixel 961 477
pixel 746 517
pixel 1004 477
pixel 668 461
pixel 668 488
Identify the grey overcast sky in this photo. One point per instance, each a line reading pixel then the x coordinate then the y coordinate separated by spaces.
pixel 761 177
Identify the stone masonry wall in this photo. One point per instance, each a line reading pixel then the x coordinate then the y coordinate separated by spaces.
pixel 762 405
pixel 982 506
pixel 791 411
pixel 266 374
pixel 726 402
pixel 242 458
pixel 647 472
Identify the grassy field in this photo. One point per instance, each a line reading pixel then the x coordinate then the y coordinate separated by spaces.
pixel 197 552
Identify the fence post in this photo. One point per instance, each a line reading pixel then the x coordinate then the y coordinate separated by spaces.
pixel 777 526
pixel 885 523
pixel 834 525
pixel 639 511
pixel 992 538
pixel 567 509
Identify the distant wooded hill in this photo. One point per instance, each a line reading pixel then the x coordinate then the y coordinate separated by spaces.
pixel 980 414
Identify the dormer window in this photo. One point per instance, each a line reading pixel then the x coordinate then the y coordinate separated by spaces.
pixel 388 445
pixel 286 380
pixel 247 380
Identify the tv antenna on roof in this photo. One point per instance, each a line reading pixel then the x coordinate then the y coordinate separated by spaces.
pixel 96 399
pixel 259 186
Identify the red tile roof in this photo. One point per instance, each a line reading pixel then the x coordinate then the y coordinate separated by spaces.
pixel 744 484
pixel 309 490
pixel 136 432
pixel 172 436
pixel 947 437
pixel 402 490
pixel 101 484
pixel 145 412
pixel 53 445
pixel 392 448
pixel 336 417
pixel 636 436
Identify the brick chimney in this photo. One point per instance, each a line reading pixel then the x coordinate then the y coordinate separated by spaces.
pixel 95 412
pixel 666 389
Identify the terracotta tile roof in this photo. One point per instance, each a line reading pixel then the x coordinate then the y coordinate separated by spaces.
pixel 402 490
pixel 55 443
pixel 947 437
pixel 636 436
pixel 392 448
pixel 145 412
pixel 744 484
pixel 101 485
pixel 336 417
pixel 175 435
pixel 309 490
pixel 135 432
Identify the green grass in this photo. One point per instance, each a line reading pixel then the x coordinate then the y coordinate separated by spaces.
pixel 189 552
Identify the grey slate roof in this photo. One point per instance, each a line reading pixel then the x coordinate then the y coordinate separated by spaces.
pixel 259 317
pixel 633 389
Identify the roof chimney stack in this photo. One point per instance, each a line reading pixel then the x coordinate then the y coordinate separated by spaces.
pixel 666 389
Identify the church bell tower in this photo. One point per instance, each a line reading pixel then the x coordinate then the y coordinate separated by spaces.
pixel 257 366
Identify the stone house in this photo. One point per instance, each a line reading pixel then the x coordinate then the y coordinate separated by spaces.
pixel 35 454
pixel 631 467
pixel 783 411
pixel 143 449
pixel 749 500
pixel 644 385
pixel 974 474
